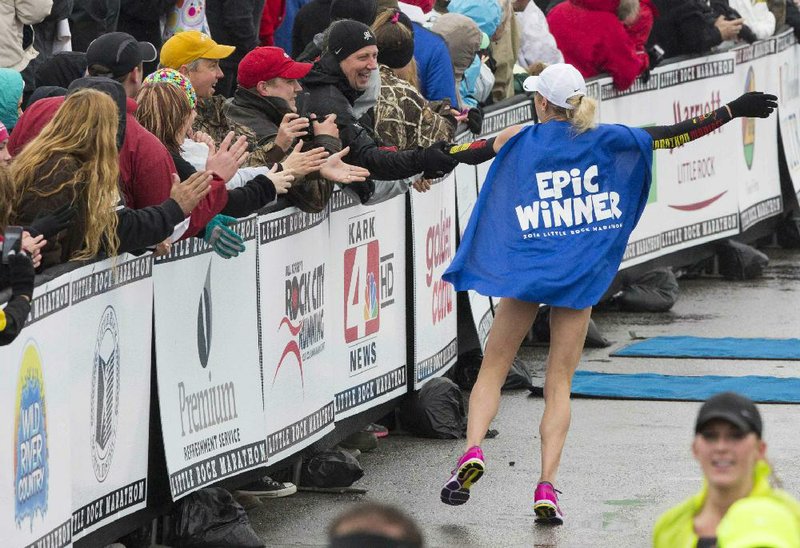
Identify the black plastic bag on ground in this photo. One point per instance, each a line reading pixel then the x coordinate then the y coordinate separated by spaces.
pixel 209 518
pixel 541 330
pixel 655 291
pixel 465 372
pixel 436 410
pixel 332 468
pixel 738 261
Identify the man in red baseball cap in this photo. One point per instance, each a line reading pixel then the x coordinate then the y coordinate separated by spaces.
pixel 266 100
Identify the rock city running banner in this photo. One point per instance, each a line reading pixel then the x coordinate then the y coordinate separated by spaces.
pixel 299 379
pixel 209 384
pixel 366 288
pixel 35 434
pixel 755 158
pixel 111 329
pixel 788 92
pixel 433 242
pixel 694 196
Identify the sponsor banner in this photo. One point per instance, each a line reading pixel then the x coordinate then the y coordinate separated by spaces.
pixel 755 158
pixel 366 287
pixel 788 92
pixel 433 241
pixel 111 321
pixel 693 197
pixel 35 430
pixel 207 362
pixel 299 379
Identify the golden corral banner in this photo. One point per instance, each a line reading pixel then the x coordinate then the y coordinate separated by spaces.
pixel 207 362
pixel 366 324
pixel 433 246
pixel 35 430
pixel 111 319
pixel 788 92
pixel 299 380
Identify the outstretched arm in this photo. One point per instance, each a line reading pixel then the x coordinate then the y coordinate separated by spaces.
pixel 483 150
pixel 752 105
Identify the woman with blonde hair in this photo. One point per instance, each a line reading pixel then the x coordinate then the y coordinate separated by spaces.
pixel 550 226
pixel 73 161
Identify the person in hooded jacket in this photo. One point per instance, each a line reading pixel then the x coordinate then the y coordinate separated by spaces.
pixel 233 22
pixel 593 37
pixel 336 81
pixel 536 42
pixel 463 39
pixel 61 69
pixel 11 86
pixel 310 20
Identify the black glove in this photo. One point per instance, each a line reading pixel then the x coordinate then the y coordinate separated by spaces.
pixel 475 119
pixel 54 222
pixel 434 161
pixel 21 273
pixel 754 104
pixel 747 34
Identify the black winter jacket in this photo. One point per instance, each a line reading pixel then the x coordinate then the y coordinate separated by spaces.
pixel 310 20
pixel 235 23
pixel 330 92
pixel 685 27
pixel 142 19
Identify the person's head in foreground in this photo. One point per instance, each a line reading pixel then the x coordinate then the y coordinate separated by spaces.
pixel 195 55
pixel 737 500
pixel 559 93
pixel 373 525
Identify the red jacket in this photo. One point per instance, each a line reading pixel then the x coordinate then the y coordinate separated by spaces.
pixel 594 40
pixel 145 165
pixel 271 19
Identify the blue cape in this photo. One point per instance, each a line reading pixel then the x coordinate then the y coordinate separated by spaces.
pixel 554 215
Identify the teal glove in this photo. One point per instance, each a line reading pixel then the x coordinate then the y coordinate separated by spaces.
pixel 225 242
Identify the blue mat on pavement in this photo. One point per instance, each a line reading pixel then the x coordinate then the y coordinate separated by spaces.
pixel 650 386
pixel 701 347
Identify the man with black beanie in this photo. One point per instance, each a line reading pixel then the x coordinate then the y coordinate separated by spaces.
pixel 335 82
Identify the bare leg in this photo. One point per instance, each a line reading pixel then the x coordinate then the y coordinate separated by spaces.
pixel 567 335
pixel 513 320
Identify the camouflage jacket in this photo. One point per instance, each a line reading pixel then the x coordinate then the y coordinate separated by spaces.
pixel 211 119
pixel 403 118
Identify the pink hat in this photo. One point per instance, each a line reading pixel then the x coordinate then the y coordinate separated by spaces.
pixel 3 133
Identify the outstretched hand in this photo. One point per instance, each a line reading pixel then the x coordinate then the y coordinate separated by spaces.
pixel 754 104
pixel 337 170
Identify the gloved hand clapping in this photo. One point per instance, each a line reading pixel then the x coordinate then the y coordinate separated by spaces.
pixel 754 104
pixel 475 119
pixel 54 222
pixel 225 242
pixel 435 162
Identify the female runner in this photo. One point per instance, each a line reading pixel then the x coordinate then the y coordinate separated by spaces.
pixel 550 226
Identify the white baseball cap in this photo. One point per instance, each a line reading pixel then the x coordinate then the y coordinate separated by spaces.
pixel 557 83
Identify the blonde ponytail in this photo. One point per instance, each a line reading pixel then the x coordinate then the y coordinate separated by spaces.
pixel 582 116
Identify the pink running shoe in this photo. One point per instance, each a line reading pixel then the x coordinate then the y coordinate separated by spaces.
pixel 545 504
pixel 469 469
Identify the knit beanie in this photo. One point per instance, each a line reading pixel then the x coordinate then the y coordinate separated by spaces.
pixel 175 78
pixel 347 37
pixel 395 48
pixel 363 11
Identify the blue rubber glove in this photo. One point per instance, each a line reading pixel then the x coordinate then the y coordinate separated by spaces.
pixel 225 242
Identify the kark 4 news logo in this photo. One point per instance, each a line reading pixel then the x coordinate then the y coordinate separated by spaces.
pixel 368 287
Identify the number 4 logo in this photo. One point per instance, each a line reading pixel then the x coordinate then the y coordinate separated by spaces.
pixel 361 297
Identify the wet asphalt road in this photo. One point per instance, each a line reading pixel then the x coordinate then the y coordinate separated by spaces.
pixel 625 462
